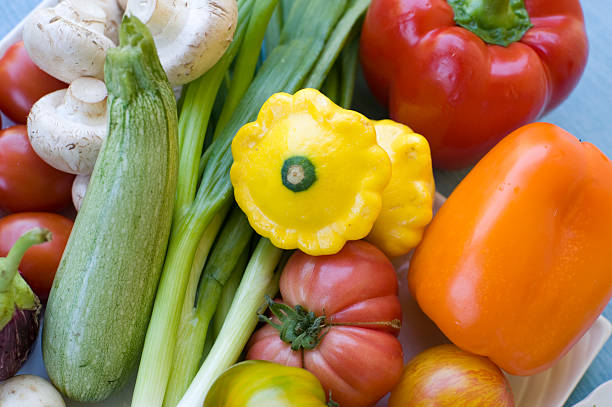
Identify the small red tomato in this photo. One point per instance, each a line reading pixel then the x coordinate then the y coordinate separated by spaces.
pixel 446 376
pixel 27 183
pixel 40 262
pixel 22 83
pixel 343 326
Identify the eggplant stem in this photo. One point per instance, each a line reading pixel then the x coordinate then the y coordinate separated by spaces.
pixel 10 264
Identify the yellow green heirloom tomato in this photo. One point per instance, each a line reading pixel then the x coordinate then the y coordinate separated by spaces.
pixel 256 383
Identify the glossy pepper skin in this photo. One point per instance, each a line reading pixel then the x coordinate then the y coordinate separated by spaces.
pixel 516 266
pixel 256 383
pixel 462 93
pixel 309 174
pixel 407 202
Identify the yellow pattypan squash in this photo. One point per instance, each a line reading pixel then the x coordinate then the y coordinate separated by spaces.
pixel 309 174
pixel 408 198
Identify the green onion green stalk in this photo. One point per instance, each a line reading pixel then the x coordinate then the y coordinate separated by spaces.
pixel 260 279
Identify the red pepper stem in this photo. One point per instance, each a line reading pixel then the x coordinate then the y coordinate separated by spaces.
pixel 494 8
pixel 499 22
pixel 10 264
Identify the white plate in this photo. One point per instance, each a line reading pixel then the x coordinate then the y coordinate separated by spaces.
pixel 547 389
pixel 600 397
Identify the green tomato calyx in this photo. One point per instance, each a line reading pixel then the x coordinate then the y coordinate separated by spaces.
pixel 298 327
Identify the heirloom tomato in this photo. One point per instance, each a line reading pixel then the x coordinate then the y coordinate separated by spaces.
pixel 339 318
pixel 255 383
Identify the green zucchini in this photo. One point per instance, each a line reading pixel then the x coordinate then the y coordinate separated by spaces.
pixel 103 292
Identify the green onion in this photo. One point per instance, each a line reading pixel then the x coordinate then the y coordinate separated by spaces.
pixel 247 59
pixel 228 293
pixel 198 102
pixel 201 301
pixel 336 42
pixel 331 85
pixel 275 26
pixel 260 279
pixel 348 67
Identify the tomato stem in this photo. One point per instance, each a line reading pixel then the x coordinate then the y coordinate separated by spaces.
pixel 303 329
pixel 298 327
pixel 331 402
pixel 395 324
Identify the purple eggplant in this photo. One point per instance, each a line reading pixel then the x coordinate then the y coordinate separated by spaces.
pixel 19 307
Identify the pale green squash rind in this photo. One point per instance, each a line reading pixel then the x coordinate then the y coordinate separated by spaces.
pixel 102 296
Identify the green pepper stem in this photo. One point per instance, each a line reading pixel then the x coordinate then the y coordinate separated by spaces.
pixel 499 22
pixel 10 264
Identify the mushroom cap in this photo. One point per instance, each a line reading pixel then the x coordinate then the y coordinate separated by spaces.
pixel 67 41
pixel 68 127
pixel 190 35
pixel 29 390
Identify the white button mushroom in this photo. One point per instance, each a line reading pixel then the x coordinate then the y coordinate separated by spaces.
pixel 68 41
pixel 114 14
pixel 190 35
pixel 67 127
pixel 79 189
pixel 29 391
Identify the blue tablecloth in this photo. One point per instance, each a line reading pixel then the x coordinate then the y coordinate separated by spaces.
pixel 587 114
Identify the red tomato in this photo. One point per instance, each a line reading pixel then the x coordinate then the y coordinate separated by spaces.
pixel 355 352
pixel 22 83
pixel 446 376
pixel 40 262
pixel 27 183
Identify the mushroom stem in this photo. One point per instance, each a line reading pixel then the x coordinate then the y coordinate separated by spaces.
pixel 86 96
pixel 160 15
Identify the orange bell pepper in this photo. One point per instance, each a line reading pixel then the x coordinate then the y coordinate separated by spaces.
pixel 517 264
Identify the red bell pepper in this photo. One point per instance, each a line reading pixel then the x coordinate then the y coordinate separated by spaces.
pixel 464 73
